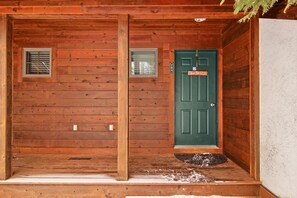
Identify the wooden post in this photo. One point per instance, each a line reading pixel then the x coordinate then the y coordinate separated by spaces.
pixel 5 97
pixel 123 96
pixel 254 99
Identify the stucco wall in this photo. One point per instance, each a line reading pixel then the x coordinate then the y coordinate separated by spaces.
pixel 278 92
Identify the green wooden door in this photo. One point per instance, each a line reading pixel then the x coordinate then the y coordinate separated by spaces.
pixel 195 98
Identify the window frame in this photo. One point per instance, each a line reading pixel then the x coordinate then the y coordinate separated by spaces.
pixel 24 64
pixel 155 50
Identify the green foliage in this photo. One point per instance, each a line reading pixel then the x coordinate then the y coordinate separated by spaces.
pixel 251 7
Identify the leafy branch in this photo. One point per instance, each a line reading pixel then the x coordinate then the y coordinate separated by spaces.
pixel 251 7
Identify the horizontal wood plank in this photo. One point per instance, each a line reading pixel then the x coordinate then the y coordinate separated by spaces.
pixel 112 3
pixel 136 11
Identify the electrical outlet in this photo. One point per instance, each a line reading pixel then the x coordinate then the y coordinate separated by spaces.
pixel 110 127
pixel 75 127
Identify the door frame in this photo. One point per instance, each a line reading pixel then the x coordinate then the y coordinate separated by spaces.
pixel 171 110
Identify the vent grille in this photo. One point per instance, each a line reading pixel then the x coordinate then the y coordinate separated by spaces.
pixel 37 61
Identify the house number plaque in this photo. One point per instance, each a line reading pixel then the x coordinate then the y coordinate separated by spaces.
pixel 197 73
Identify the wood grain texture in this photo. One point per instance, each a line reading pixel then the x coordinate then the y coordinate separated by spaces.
pixel 171 105
pixel 265 193
pixel 236 94
pixel 185 41
pixel 5 96
pixel 184 9
pixel 123 97
pixel 123 190
pixel 220 100
pixel 166 36
pixel 140 165
pixel 85 91
pixel 113 3
pixel 241 95
pixel 45 173
pixel 255 99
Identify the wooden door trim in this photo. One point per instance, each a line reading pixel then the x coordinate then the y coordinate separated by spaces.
pixel 220 99
pixel 171 96
pixel 171 113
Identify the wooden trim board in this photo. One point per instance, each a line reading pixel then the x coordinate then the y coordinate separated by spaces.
pixel 3 97
pixel 220 100
pixel 171 100
pixel 254 100
pixel 115 3
pixel 125 189
pixel 123 96
pixel 185 11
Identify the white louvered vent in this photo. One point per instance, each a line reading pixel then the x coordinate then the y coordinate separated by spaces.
pixel 144 62
pixel 37 62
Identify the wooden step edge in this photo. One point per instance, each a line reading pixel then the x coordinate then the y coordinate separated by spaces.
pixel 129 183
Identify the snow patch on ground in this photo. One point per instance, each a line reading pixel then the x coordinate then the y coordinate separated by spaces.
pixel 193 177
pixel 189 175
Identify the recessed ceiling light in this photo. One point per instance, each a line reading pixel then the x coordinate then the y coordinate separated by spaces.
pixel 198 20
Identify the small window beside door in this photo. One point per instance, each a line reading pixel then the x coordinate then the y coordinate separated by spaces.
pixel 37 62
pixel 143 62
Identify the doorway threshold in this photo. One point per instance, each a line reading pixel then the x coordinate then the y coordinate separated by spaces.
pixel 197 149
pixel 196 146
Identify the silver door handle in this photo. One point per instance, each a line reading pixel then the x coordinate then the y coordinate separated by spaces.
pixel 212 104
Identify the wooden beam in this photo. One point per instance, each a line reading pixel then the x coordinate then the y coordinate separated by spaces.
pixel 135 12
pixel 114 3
pixel 66 16
pixel 5 97
pixel 123 96
pixel 254 100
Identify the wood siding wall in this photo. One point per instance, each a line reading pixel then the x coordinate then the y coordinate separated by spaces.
pixel 83 89
pixel 149 98
pixel 236 94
